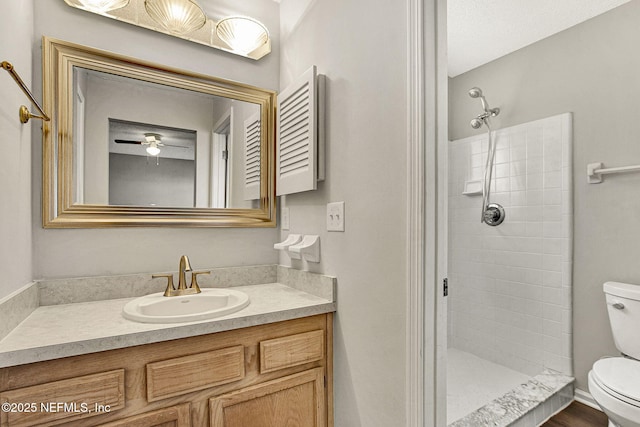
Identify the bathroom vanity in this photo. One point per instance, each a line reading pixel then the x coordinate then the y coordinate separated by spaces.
pixel 266 365
pixel 249 377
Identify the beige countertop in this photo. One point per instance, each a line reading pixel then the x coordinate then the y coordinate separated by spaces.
pixel 62 330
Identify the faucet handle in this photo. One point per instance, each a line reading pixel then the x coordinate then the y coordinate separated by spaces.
pixel 194 279
pixel 170 287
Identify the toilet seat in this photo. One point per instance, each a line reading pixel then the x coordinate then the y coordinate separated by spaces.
pixel 619 377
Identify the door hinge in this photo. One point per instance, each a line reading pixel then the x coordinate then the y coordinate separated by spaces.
pixel 225 155
pixel 445 286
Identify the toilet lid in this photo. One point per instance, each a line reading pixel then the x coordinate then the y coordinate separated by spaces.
pixel 619 374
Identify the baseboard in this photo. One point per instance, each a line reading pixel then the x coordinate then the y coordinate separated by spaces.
pixel 586 398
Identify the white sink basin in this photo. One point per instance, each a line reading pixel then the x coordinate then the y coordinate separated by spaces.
pixel 210 303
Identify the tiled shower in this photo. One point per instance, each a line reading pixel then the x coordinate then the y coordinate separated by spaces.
pixel 510 286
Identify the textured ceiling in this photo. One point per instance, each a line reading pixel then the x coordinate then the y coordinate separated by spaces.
pixel 480 31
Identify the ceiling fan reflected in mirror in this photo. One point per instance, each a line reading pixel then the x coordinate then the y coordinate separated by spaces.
pixel 151 140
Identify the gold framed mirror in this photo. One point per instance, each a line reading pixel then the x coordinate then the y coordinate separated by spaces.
pixel 133 143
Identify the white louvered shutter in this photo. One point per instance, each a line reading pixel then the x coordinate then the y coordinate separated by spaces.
pixel 252 157
pixel 297 136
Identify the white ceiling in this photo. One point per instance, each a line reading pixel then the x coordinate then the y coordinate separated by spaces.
pixel 480 31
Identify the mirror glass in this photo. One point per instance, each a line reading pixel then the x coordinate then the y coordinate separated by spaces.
pixel 146 144
pixel 132 143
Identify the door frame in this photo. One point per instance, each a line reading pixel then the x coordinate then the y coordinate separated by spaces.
pixel 426 261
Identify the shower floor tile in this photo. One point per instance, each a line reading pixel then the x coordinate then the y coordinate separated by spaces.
pixel 472 382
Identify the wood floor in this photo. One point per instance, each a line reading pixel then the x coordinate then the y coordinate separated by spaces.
pixel 578 415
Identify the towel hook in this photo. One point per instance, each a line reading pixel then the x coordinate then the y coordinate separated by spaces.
pixel 24 112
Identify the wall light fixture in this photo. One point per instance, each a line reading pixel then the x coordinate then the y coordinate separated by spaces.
pixel 98 6
pixel 242 34
pixel 176 16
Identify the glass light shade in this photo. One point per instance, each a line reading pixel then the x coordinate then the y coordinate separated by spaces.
pixel 242 34
pixel 98 6
pixel 176 16
pixel 153 150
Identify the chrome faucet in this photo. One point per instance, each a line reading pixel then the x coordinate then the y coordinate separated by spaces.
pixel 182 289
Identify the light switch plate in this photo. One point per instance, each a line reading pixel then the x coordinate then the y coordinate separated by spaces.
pixel 284 218
pixel 335 216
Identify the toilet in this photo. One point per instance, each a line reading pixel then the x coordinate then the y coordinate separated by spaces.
pixel 614 382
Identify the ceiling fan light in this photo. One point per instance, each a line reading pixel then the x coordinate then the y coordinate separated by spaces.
pixel 153 150
pixel 176 16
pixel 98 6
pixel 242 34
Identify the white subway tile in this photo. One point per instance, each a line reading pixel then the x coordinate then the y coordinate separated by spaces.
pixel 552 196
pixel 534 308
pixel 518 152
pixel 510 286
pixel 518 183
pixel 552 229
pixel 518 198
pixel 552 263
pixel 534 197
pixel 552 213
pixel 477 160
pixel 502 184
pixel 502 170
pixel 552 312
pixel 552 180
pixel 534 213
pixel 552 296
pixel 553 246
pixel 533 229
pixel 552 279
pixel 552 329
pixel 552 162
pixel 502 156
pixel 534 181
pixel 552 345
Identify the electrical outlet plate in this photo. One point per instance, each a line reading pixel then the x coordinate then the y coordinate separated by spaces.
pixel 335 216
pixel 284 219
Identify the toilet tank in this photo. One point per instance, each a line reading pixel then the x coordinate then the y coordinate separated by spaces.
pixel 623 306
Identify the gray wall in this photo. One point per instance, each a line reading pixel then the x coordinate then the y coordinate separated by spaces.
pixel 592 71
pixel 141 181
pixel 16 28
pixel 155 105
pixel 366 168
pixel 64 253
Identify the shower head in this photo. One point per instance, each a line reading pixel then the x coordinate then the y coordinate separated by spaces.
pixel 475 92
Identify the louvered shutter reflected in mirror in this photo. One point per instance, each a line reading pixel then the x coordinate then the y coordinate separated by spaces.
pixel 252 157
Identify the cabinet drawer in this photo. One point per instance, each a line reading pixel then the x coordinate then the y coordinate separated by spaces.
pixel 292 350
pixel 182 375
pixel 174 416
pixel 60 401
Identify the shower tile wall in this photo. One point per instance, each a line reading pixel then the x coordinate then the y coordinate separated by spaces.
pixel 510 286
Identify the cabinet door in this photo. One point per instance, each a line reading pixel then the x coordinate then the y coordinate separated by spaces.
pixel 295 400
pixel 174 416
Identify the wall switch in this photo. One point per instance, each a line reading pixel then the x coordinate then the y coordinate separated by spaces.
pixel 284 218
pixel 335 216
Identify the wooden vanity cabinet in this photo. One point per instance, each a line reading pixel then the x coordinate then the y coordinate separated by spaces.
pixel 262 376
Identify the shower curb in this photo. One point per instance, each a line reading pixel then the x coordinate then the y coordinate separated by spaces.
pixel 528 405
